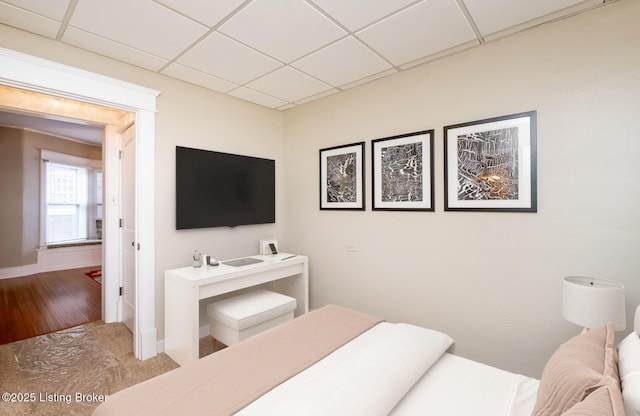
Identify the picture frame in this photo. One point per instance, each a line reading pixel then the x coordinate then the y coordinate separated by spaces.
pixel 402 172
pixel 490 165
pixel 342 177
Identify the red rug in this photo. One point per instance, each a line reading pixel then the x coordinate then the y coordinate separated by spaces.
pixel 95 275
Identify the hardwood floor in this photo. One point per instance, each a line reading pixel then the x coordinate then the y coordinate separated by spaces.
pixel 47 302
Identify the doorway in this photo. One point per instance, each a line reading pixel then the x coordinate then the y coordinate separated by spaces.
pixel 37 75
pixel 62 144
pixel 50 206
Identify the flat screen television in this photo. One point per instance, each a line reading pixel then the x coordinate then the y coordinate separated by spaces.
pixel 215 189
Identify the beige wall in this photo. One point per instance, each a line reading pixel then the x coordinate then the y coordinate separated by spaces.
pixel 20 206
pixel 491 280
pixel 10 197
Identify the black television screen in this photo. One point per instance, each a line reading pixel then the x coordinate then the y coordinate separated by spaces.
pixel 215 189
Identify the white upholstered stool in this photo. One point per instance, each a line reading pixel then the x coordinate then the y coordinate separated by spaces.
pixel 234 319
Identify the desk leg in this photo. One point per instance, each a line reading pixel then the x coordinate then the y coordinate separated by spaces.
pixel 296 286
pixel 181 322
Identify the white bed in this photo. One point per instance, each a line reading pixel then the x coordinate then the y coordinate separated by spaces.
pixel 334 361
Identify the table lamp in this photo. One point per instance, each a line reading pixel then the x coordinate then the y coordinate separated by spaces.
pixel 592 302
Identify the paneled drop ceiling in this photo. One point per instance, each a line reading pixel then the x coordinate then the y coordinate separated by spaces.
pixel 281 53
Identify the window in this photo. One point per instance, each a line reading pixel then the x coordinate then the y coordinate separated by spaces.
pixel 72 199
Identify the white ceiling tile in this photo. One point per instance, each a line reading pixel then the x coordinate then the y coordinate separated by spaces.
pixel 53 9
pixel 288 84
pixel 257 97
pixel 421 30
pixel 284 29
pixel 355 14
pixel 141 24
pixel 112 49
pixel 512 12
pixel 25 20
pixel 227 59
pixel 209 13
pixel 343 62
pixel 198 78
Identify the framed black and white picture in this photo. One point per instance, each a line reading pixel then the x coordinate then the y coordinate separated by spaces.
pixel 342 177
pixel 402 172
pixel 490 165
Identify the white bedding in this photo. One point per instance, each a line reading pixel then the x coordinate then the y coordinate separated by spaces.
pixel 456 386
pixel 367 376
pixel 333 361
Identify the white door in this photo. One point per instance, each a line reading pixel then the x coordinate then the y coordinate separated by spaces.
pixel 129 244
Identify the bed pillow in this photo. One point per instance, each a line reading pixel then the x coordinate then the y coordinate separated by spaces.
pixel 576 369
pixel 629 366
pixel 604 401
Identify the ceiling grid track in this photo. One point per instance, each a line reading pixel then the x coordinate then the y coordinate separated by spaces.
pixel 285 53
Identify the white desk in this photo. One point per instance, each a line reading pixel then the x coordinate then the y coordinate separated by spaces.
pixel 184 287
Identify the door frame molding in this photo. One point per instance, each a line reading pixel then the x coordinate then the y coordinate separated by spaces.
pixel 30 73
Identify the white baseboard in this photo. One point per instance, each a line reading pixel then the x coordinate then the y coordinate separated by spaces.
pixel 18 271
pixel 63 258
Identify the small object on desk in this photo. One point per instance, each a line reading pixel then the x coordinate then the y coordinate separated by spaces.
pixel 197 260
pixel 289 257
pixel 242 262
pixel 212 262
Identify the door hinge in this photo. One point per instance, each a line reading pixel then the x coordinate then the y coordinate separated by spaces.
pixel 121 223
pixel 120 154
pixel 121 291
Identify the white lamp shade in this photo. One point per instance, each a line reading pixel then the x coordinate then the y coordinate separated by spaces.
pixel 592 302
